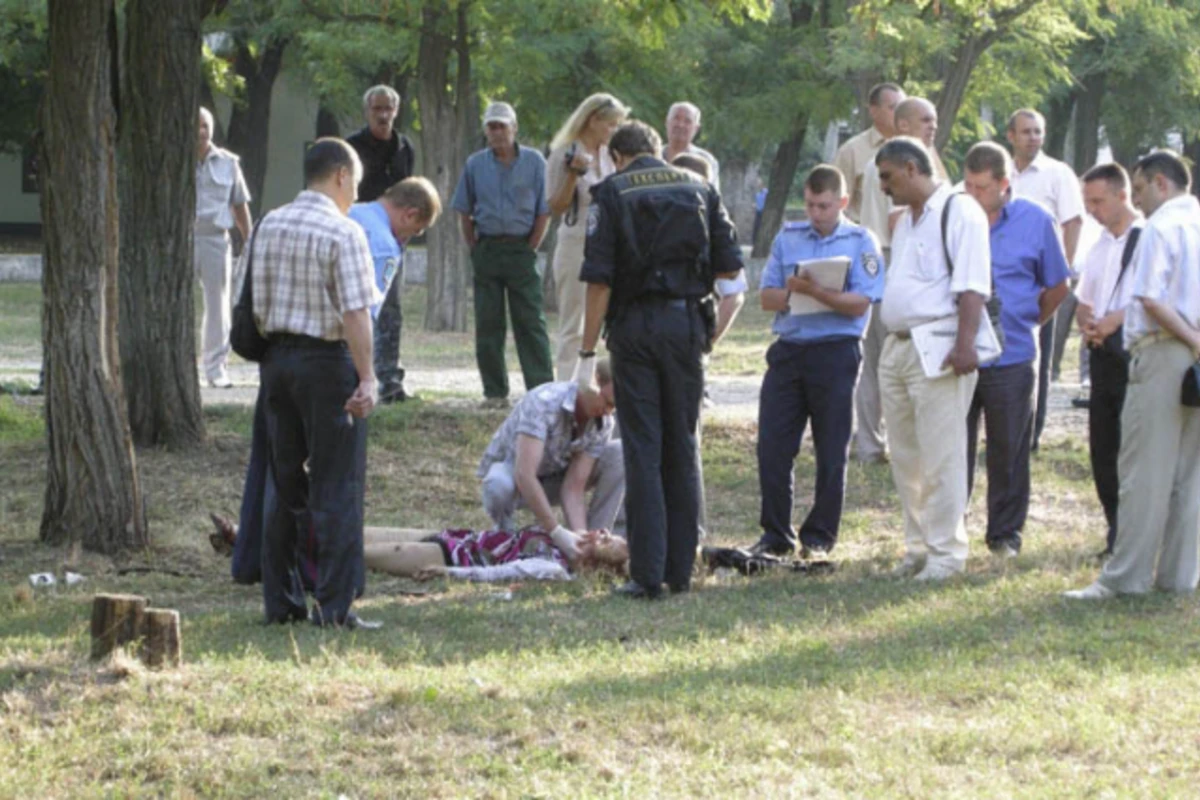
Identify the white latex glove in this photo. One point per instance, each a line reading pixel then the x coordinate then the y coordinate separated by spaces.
pixel 566 541
pixel 585 374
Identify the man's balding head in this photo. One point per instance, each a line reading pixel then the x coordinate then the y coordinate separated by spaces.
pixel 917 117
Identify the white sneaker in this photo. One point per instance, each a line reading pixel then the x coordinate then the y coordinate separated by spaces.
pixel 936 572
pixel 1097 591
pixel 911 565
pixel 1005 552
pixel 220 382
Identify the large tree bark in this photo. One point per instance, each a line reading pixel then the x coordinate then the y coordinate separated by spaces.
pixel 1058 120
pixel 250 121
pixel 956 76
pixel 445 121
pixel 1086 137
pixel 779 185
pixel 92 492
pixel 160 93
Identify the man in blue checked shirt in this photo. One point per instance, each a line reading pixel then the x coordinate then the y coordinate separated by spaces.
pixel 813 367
pixel 402 212
pixel 1029 273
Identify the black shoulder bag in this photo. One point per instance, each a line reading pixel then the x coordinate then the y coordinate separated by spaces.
pixel 1114 343
pixel 244 337
pixel 993 304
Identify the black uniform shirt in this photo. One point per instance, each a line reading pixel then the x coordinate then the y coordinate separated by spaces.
pixel 655 229
pixel 384 162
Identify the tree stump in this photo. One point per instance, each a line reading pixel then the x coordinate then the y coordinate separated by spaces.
pixel 160 638
pixel 116 621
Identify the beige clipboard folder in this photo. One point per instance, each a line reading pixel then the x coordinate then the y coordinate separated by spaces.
pixel 829 273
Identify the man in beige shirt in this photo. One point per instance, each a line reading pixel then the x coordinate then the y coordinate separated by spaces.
pixel 915 117
pixel 853 157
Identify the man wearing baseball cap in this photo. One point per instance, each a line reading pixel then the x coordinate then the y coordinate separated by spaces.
pixel 503 212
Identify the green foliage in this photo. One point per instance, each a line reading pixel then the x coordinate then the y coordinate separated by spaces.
pixel 24 56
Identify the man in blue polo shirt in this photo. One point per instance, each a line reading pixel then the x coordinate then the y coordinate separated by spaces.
pixel 813 367
pixel 1029 273
pixel 402 212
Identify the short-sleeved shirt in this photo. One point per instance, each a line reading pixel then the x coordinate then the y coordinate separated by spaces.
pixel 503 199
pixel 851 160
pixel 1099 288
pixel 714 165
pixel 1053 184
pixel 1027 258
pixel 312 264
pixel 384 161
pixel 800 241
pixel 919 287
pixel 220 185
pixel 877 208
pixel 547 413
pixel 386 251
pixel 1166 267
pixel 556 173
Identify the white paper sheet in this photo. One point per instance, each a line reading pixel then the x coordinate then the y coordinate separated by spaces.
pixel 829 273
pixel 934 341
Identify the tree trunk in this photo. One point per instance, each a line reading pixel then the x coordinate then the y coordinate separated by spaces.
pixel 116 621
pixel 1058 120
pixel 739 184
pixel 1192 151
pixel 161 642
pixel 779 185
pixel 160 87
pixel 1087 122
pixel 250 121
pixel 92 492
pixel 327 123
pixel 956 76
pixel 444 124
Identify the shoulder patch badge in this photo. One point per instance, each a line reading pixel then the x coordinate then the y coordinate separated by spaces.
pixel 593 220
pixel 870 262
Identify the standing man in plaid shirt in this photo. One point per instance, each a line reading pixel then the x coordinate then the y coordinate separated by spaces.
pixel 314 285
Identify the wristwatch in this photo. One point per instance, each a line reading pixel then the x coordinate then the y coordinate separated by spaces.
pixel 587 353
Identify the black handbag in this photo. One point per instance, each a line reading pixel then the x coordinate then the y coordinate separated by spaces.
pixel 993 304
pixel 1189 395
pixel 244 337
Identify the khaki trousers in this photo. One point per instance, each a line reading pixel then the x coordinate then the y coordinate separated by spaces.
pixel 869 439
pixel 214 263
pixel 1158 510
pixel 572 295
pixel 927 434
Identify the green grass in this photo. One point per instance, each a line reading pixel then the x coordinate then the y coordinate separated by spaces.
pixel 853 684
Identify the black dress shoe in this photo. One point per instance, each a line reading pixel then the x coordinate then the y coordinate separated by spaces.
pixel 394 393
pixel 635 591
pixel 765 548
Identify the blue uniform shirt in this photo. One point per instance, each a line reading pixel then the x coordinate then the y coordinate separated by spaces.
pixel 1027 258
pixel 799 241
pixel 503 200
pixel 386 250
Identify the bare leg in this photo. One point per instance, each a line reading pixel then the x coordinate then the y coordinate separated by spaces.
pixel 403 559
pixel 374 536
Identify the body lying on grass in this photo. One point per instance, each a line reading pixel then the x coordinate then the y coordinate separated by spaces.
pixel 496 555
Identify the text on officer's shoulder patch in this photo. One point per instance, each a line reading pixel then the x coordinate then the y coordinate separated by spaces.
pixel 870 262
pixel 650 178
pixel 593 220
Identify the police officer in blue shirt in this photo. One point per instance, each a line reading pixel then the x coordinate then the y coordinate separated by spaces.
pixel 812 368
pixel 1029 275
pixel 657 239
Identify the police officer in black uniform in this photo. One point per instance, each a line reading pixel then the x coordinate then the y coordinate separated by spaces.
pixel 657 239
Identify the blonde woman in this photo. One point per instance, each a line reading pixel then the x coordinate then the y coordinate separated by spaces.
pixel 578 160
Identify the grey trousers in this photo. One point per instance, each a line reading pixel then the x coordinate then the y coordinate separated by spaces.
pixel 214 265
pixel 606 483
pixel 869 440
pixel 1158 510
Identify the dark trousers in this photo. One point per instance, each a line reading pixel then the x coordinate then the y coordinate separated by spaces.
pixel 259 484
pixel 803 382
pixel 1004 395
pixel 1045 356
pixel 656 350
pixel 507 270
pixel 306 384
pixel 388 369
pixel 1110 378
